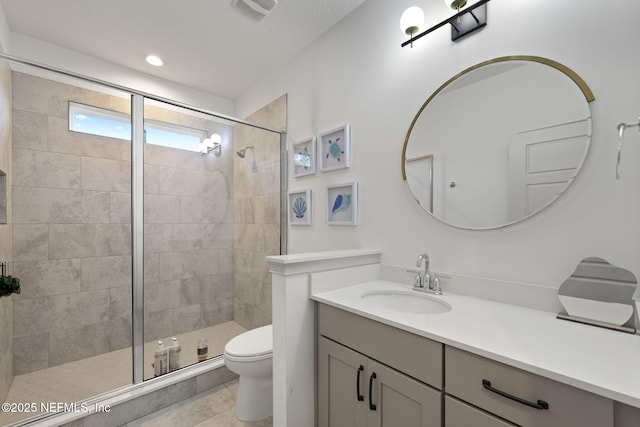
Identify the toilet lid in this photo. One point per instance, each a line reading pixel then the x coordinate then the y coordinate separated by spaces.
pixel 255 342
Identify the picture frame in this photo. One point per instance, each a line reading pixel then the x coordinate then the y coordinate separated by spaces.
pixel 342 204
pixel 335 148
pixel 303 157
pixel 299 207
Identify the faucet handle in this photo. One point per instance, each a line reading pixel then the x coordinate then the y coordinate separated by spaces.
pixel 417 281
pixel 436 285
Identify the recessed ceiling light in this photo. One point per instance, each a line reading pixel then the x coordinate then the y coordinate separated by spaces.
pixel 155 61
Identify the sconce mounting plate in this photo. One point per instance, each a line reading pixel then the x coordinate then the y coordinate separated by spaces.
pixel 471 21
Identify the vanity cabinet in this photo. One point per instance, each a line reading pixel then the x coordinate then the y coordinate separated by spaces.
pixel 363 378
pixel 515 395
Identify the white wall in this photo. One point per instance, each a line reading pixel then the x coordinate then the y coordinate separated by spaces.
pixel 358 74
pixel 67 60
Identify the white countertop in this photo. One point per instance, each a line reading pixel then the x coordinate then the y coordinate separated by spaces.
pixel 598 360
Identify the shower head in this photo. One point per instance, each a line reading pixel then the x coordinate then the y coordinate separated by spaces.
pixel 243 151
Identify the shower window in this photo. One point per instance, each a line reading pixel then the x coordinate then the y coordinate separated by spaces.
pixel 112 124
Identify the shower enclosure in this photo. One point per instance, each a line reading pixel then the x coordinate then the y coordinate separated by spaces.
pixel 125 234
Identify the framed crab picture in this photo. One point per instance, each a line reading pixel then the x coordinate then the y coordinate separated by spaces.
pixel 342 204
pixel 303 157
pixel 300 207
pixel 334 149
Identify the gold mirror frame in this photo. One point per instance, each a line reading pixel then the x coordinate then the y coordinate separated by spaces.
pixel 582 85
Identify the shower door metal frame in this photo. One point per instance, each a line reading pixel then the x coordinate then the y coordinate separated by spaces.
pixel 137 191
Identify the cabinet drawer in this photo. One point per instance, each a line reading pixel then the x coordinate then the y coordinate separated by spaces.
pixel 567 406
pixel 459 414
pixel 412 354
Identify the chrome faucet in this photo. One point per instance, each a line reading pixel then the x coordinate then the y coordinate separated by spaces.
pixel 424 281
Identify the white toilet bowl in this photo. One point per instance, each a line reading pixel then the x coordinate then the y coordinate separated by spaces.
pixel 250 355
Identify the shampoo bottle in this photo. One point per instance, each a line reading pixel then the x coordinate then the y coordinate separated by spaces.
pixel 160 360
pixel 174 355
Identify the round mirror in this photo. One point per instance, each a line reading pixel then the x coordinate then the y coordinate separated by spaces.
pixel 498 142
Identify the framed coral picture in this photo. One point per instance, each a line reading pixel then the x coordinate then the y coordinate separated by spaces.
pixel 334 149
pixel 303 157
pixel 300 207
pixel 342 204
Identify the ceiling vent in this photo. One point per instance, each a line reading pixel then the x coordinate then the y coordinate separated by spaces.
pixel 256 9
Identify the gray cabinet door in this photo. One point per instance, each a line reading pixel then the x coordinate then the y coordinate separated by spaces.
pixel 338 372
pixel 401 401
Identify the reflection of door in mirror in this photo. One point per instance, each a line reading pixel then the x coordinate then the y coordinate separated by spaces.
pixel 420 169
pixel 542 162
pixel 470 124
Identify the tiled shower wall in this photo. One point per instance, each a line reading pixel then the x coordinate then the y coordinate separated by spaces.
pixel 71 235
pixel 6 303
pixel 257 207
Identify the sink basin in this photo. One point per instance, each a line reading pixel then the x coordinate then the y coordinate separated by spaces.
pixel 405 302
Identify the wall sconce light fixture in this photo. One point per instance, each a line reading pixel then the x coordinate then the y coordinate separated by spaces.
pixel 411 21
pixel 462 23
pixel 213 144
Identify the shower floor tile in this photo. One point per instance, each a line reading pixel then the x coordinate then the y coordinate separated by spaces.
pixel 85 378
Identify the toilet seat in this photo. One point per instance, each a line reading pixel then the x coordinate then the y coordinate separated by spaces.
pixel 253 345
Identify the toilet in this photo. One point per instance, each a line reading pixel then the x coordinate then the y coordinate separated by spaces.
pixel 250 355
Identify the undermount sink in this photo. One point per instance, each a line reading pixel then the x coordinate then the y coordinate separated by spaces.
pixel 405 302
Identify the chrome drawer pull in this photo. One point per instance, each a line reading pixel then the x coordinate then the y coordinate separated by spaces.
pixel 541 404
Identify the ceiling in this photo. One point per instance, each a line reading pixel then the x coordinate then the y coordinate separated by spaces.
pixel 205 44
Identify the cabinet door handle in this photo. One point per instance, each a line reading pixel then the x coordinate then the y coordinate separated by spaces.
pixel 540 404
pixel 360 397
pixel 372 406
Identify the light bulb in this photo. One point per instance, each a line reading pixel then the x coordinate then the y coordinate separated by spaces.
pixel 216 139
pixel 455 4
pixel 411 20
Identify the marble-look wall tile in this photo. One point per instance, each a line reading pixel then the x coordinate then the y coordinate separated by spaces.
pixel 36 315
pixel 88 240
pixel 195 210
pixel 35 168
pixel 267 209
pixel 245 211
pixel 47 278
pixel 120 302
pixel 184 265
pixel 31 93
pixel 269 181
pixel 251 237
pixel 49 205
pixel 30 242
pixel 151 267
pixel 206 289
pixel 161 209
pixel 29 130
pixel 119 208
pixel 106 175
pixel 225 261
pixel 106 272
pixel 161 296
pixel 88 340
pixel 31 353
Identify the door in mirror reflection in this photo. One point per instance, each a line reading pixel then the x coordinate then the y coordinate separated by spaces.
pixel 505 138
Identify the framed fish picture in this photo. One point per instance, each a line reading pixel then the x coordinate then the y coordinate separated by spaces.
pixel 334 149
pixel 342 204
pixel 300 207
